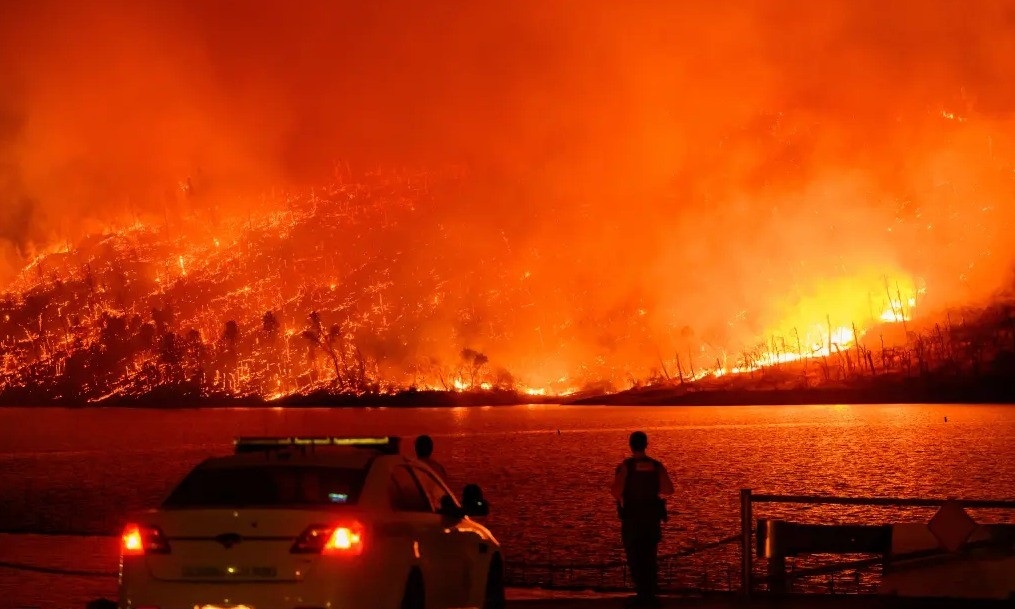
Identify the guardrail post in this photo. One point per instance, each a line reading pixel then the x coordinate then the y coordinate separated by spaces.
pixel 745 542
pixel 777 574
pixel 771 537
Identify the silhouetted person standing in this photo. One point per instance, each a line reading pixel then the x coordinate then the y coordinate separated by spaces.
pixel 424 452
pixel 637 485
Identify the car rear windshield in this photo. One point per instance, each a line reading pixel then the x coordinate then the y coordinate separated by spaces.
pixel 268 485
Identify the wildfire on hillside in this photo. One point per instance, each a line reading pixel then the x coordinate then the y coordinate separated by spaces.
pixel 200 200
pixel 274 304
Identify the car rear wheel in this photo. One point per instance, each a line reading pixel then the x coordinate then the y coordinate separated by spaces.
pixel 494 597
pixel 415 595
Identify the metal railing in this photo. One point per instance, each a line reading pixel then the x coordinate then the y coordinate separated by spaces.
pixel 747 529
pixel 613 575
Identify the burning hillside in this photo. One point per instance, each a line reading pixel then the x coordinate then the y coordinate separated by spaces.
pixel 612 195
pixel 360 288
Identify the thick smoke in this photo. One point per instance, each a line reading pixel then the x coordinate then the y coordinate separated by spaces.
pixel 711 168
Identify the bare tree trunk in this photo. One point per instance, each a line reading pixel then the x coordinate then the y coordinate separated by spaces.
pixel 884 364
pixel 800 349
pixel 902 311
pixel 891 303
pixel 334 363
pixel 662 364
pixel 859 349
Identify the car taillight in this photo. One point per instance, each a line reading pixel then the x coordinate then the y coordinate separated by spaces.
pixel 344 539
pixel 138 540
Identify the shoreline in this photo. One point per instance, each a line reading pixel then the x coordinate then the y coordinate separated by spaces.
pixel 986 391
pixel 404 399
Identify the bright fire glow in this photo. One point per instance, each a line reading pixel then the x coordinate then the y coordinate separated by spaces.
pixel 309 200
pixel 818 322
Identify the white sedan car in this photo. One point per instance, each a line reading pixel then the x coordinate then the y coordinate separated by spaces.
pixel 311 523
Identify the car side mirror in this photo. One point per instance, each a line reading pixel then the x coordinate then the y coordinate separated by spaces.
pixel 473 502
pixel 450 510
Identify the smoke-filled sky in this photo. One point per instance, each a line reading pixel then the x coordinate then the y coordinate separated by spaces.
pixel 690 158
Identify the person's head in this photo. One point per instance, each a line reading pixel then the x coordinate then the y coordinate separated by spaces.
pixel 424 447
pixel 638 442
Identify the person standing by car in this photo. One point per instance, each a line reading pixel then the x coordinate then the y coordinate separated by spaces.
pixel 424 452
pixel 637 485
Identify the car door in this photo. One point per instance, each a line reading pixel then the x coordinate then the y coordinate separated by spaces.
pixel 426 536
pixel 462 545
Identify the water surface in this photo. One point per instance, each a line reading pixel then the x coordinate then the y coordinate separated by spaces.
pixel 546 469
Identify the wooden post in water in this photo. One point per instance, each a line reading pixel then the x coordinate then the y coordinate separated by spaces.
pixel 745 542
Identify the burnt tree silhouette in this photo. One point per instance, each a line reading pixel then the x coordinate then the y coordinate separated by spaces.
pixel 270 336
pixel 474 360
pixel 325 340
pixel 230 335
pixel 270 324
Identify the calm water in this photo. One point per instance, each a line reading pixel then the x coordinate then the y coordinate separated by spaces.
pixel 81 470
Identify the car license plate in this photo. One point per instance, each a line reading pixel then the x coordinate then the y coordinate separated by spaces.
pixel 230 572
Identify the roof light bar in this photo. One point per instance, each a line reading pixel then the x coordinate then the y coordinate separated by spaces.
pixel 385 444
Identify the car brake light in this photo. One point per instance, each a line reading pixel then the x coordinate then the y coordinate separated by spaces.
pixel 138 540
pixel 344 539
